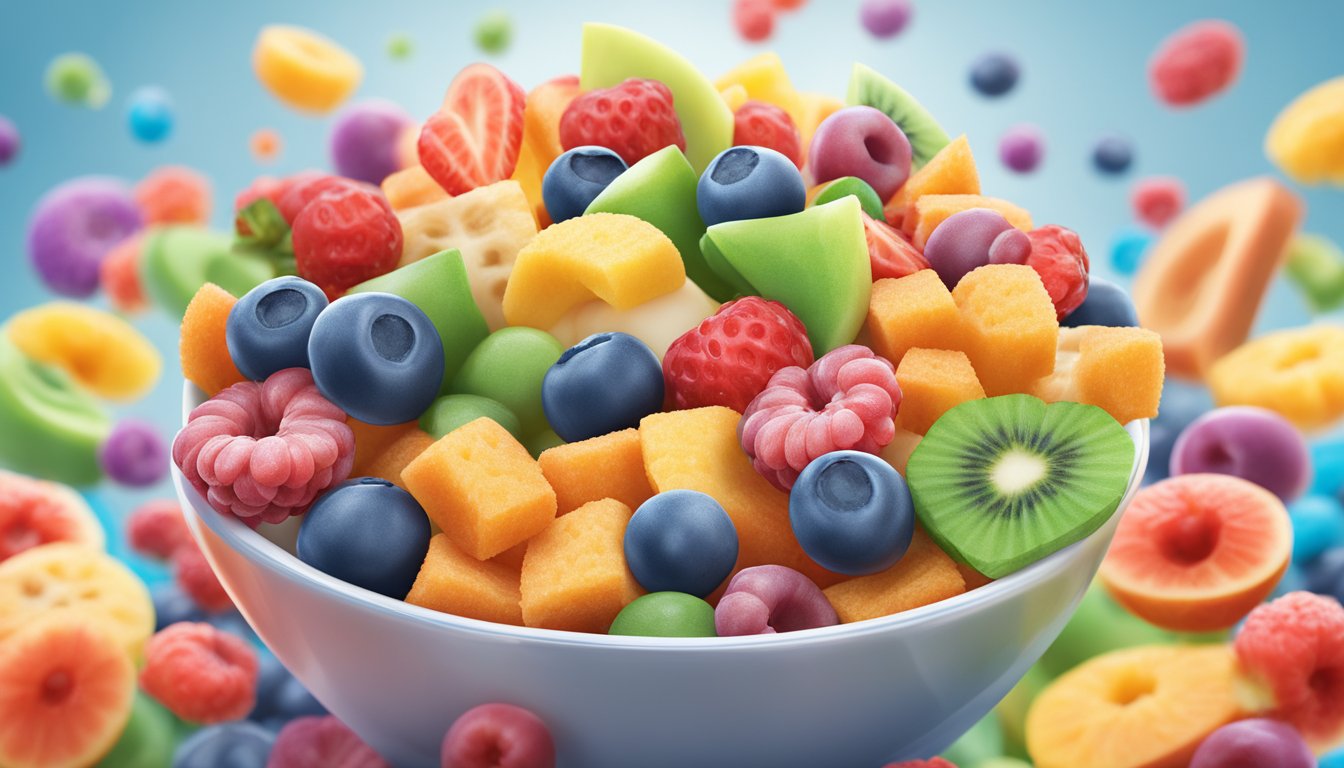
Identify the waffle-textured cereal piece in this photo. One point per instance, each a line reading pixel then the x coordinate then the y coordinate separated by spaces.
pixel 454 582
pixel 925 574
pixel 933 381
pixel 410 187
pixel 206 361
pixel 574 575
pixel 1297 373
pixel 609 466
pixel 912 311
pixel 393 460
pixel 482 488
pixel 950 172
pixel 1010 326
pixel 929 211
pixel 1119 370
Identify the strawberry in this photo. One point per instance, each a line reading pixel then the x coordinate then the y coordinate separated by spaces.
pixel 759 124
pixel 475 137
pixel 890 251
pixel 303 188
pixel 730 356
pixel 346 236
pixel 1058 257
pixel 633 119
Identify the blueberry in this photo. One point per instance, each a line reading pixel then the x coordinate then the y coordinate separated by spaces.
pixel 1106 304
pixel 994 74
pixel 240 744
pixel 1128 249
pixel 172 605
pixel 268 328
pixel 280 695
pixel 1112 155
pixel 681 541
pixel 367 532
pixel 852 513
pixel 1325 574
pixel 576 178
pixel 605 383
pixel 749 183
pixel 377 356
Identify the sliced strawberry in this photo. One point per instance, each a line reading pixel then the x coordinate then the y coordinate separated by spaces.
pixel 890 251
pixel 475 137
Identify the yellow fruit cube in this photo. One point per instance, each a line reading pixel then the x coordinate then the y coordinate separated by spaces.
pixel 924 575
pixel 1119 370
pixel 930 210
pixel 1010 326
pixel 606 467
pixel 912 311
pixel 764 79
pixel 933 381
pixel 454 582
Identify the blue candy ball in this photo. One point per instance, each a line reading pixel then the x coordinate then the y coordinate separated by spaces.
pixel 1128 249
pixel 367 532
pixel 1112 155
pixel 240 744
pixel 268 329
pixel 172 605
pixel 681 541
pixel 1106 304
pixel 576 178
pixel 852 513
pixel 150 115
pixel 994 74
pixel 605 383
pixel 1325 574
pixel 1327 466
pixel 749 182
pixel 1318 525
pixel 377 356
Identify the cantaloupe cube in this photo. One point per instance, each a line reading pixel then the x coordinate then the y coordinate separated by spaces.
pixel 393 460
pixel 933 381
pixel 371 440
pixel 574 575
pixel 605 467
pixel 924 575
pixel 410 187
pixel 1119 370
pixel 912 311
pixel 929 211
pixel 698 449
pixel 973 578
pixel 206 361
pixel 612 257
pixel 512 558
pixel 482 488
pixel 454 582
pixel 1010 326
pixel 897 452
pixel 950 172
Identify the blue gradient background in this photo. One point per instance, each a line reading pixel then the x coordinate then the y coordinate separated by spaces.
pixel 1084 68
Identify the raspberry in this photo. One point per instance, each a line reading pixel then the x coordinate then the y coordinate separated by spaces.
pixel 890 251
pixel 754 19
pixel 1158 200
pixel 321 742
pixel 1058 256
pixel 199 673
pixel 156 529
pixel 633 119
pixel 174 194
pixel 729 358
pixel 1293 648
pixel 847 400
pixel 1197 62
pixel 197 579
pixel 759 124
pixel 346 236
pixel 263 452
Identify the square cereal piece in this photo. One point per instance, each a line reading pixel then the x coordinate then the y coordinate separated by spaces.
pixel 454 582
pixel 482 488
pixel 912 311
pixel 607 467
pixel 1010 326
pixel 924 575
pixel 933 381
pixel 1121 371
pixel 393 459
pixel 574 574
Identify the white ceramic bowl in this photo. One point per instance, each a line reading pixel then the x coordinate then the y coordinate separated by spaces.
pixel 859 695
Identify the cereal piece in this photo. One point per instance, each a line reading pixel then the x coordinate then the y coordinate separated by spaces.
pixel 1010 326
pixel 932 382
pixel 36 512
pixel 393 460
pixel 157 528
pixel 929 211
pixel 1201 284
pixel 1196 63
pixel 1022 148
pixel 950 172
pixel 99 350
pixel 363 140
pixel 9 141
pixel 134 454
pixel 925 574
pixel 1117 369
pixel 913 311
pixel 197 579
pixel 454 582
pixel 897 453
pixel 657 323
pixel 1298 373
pixel 410 187
pixel 174 194
pixel 206 361
pixel 119 277
pixel 482 488
pixel 1305 141
pixel 201 674
pixel 574 575
pixel 618 259
pixel 303 69
pixel 607 467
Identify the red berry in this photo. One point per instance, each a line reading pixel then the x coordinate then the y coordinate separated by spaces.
pixel 497 736
pixel 729 358
pixel 475 137
pixel 1058 257
pixel 302 189
pixel 890 250
pixel 788 5
pixel 633 119
pixel 1197 62
pixel 199 673
pixel 197 579
pixel 321 742
pixel 156 529
pixel 346 236
pixel 754 19
pixel 1158 200
pixel 759 124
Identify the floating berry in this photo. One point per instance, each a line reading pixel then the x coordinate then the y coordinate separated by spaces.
pixel 156 529
pixel 885 18
pixel 493 735
pixel 633 119
pixel 134 454
pixel 754 19
pixel 9 141
pixel 475 137
pixel 227 745
pixel 363 143
pixel 172 605
pixel 174 194
pixel 1113 155
pixel 1128 249
pixel 1318 526
pixel 1252 443
pixel 198 580
pixel 321 742
pixel 1022 148
pixel 994 74
pixel 766 599
pixel 494 31
pixel 1058 256
pixel 344 237
pixel 757 123
pixel 76 80
pixel 1254 742
pixel 73 229
pixel 265 145
pixel 36 512
pixel 1157 200
pixel 1196 63
pixel 150 115
pixel 199 673
pixel 890 251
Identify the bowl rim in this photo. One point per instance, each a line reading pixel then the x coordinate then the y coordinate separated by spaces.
pixel 258 550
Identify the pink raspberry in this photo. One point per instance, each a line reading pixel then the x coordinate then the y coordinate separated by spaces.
pixel 198 580
pixel 156 529
pixel 199 673
pixel 321 742
pixel 265 451
pixel 847 400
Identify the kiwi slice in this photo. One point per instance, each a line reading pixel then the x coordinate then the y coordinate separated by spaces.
pixel 1002 482
pixel 868 88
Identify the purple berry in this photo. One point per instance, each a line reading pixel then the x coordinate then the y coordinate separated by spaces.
pixel 885 18
pixel 1012 246
pixel 766 599
pixel 74 227
pixel 312 742
pixel 962 243
pixel 496 735
pixel 994 74
pixel 364 140
pixel 1022 148
pixel 863 142
pixel 1253 743
pixel 1251 443
pixel 9 141
pixel 134 454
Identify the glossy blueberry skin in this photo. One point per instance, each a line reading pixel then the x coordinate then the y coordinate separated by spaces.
pixel 749 182
pixel 367 532
pixel 994 74
pixel 268 329
pixel 605 383
pixel 239 744
pixel 1106 304
pixel 576 178
pixel 172 605
pixel 852 513
pixel 1112 155
pixel 280 695
pixel 1318 525
pixel 377 356
pixel 681 541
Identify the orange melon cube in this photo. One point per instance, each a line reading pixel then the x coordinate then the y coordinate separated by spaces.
pixel 929 211
pixel 393 460
pixel 912 311
pixel 698 449
pixel 206 361
pixel 574 574
pixel 933 381
pixel 973 578
pixel 1010 326
pixel 371 440
pixel 605 467
pixel 410 187
pixel 482 488
pixel 451 581
pixel 512 558
pixel 924 575
pixel 1119 370
pixel 897 452
pixel 950 172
